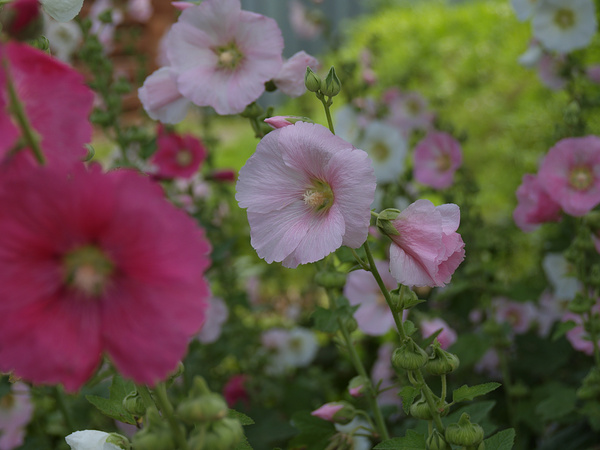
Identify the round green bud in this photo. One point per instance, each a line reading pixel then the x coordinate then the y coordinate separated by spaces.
pixel 208 408
pixel 420 409
pixel 436 441
pixel 409 356
pixel 133 404
pixel 225 434
pixel 331 85
pixel 464 433
pixel 312 80
pixel 441 361
pixel 119 441
pixel 148 439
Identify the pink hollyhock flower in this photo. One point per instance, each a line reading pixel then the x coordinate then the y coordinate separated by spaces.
pixel 290 79
pixel 161 98
pixel 519 315
pixel 282 121
pixel 223 55
pixel 437 157
pixel 446 338
pixel 16 411
pixel 550 69
pixel 328 411
pixel 408 111
pixel 428 249
pixel 235 391
pixel 94 263
pixel 177 156
pixel 373 315
pixel 42 83
pixel 383 375
pixel 534 206
pixel 570 174
pixel 216 315
pixel 490 364
pixel 306 24
pixel 578 337
pixel 140 10
pixel 307 193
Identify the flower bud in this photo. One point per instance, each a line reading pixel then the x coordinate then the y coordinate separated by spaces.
pixel 22 19
pixel 436 441
pixel 358 386
pixel 134 404
pixel 420 408
pixel 441 361
pixel 337 412
pixel 284 121
pixel 312 80
pixel 409 356
pixel 210 407
pixel 464 433
pixel 331 280
pixel 331 85
pixel 224 434
pixel 384 222
pixel 119 441
pixel 252 110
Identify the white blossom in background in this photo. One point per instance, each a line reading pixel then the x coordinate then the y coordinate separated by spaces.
pixel 94 440
pixel 289 348
pixel 355 429
pixel 524 8
pixel 387 149
pixel 62 10
pixel 64 38
pixel 565 25
pixel 216 315
pixel 560 274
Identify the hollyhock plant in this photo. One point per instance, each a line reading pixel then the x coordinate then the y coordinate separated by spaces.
pixel 437 157
pixel 223 55
pixel 373 315
pixel 16 411
pixel 94 263
pixel 427 249
pixel 307 193
pixel 290 79
pixel 446 338
pixel 177 156
pixel 161 98
pixel 565 25
pixel 534 206
pixel 42 82
pixel 387 149
pixel 570 174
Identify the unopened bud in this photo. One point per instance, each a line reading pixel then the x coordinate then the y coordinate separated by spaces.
pixel 358 386
pixel 384 223
pixel 133 404
pixel 119 441
pixel 409 356
pixel 441 361
pixel 580 304
pixel 331 85
pixel 208 408
pixel 337 412
pixel 420 408
pixel 436 441
pixel 225 434
pixel 312 80
pixel 464 433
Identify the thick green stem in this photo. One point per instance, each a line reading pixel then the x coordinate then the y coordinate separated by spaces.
pixel 326 105
pixel 59 395
pixel 162 400
pixel 444 388
pixel 360 368
pixel 430 402
pixel 386 294
pixel 361 263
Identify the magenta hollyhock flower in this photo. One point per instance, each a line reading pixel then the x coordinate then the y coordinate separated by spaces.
pixel 21 17
pixel 534 206
pixel 446 338
pixel 290 79
pixel 94 263
pixel 177 156
pixel 428 249
pixel 161 98
pixel 570 174
pixel 235 391
pixel 307 193
pixel 437 157
pixel 373 315
pixel 42 83
pixel 223 55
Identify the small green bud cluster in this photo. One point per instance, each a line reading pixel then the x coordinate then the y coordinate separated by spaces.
pixel 436 441
pixel 465 433
pixel 329 87
pixel 134 405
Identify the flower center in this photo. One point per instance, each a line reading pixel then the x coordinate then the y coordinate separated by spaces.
pixel 380 151
pixel 581 178
pixel 229 56
pixel 319 197
pixel 443 162
pixel 564 18
pixel 87 270
pixel 183 157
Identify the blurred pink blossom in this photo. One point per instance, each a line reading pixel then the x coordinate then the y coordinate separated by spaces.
pixel 519 315
pixel 306 24
pixel 535 206
pixel 446 338
pixel 177 156
pixel 408 111
pixel 437 157
pixel 290 79
pixel 216 315
pixel 384 376
pixel 16 411
pixel 235 391
pixel 328 411
pixel 578 337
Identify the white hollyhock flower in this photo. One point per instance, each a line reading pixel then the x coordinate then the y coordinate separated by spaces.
pixel 96 440
pixel 64 38
pixel 561 275
pixel 62 10
pixel 387 149
pixel 565 25
pixel 524 8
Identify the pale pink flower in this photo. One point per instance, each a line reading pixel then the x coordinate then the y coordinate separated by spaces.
pixel 428 249
pixel 328 411
pixel 446 338
pixel 550 310
pixel 283 121
pixel 306 24
pixel 105 31
pixel 593 73
pixel 534 206
pixel 489 364
pixel 140 10
pixel 408 111
pixel 437 157
pixel 384 375
pixel 290 79
pixel 42 83
pixel 183 5
pixel 570 174
pixel 177 156
pixel 519 315
pixel 223 55
pixel 373 316
pixel 161 98
pixel 307 193
pixel 578 337
pixel 94 263
pixel 216 315
pixel 550 67
pixel 16 411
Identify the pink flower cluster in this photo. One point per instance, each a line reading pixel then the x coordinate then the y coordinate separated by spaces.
pixel 221 56
pixel 568 180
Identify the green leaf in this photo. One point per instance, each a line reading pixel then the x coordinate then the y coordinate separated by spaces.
pixel 560 403
pixel 314 432
pixel 113 406
pixel 409 327
pixel 325 320
pixel 412 441
pixel 503 440
pixel 244 445
pixel 469 393
pixel 243 418
pixel 408 394
pixel 562 329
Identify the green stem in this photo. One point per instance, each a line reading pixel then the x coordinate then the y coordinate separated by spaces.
pixel 146 396
pixel 361 263
pixel 506 378
pixel 326 105
pixel 59 395
pixel 162 400
pixel 430 402
pixel 396 314
pixel 444 388
pixel 360 368
pixel 16 107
